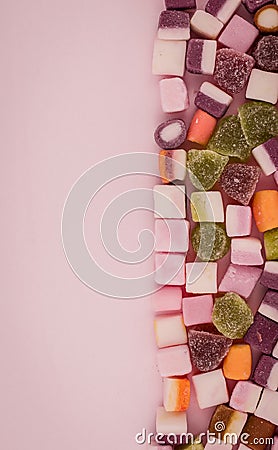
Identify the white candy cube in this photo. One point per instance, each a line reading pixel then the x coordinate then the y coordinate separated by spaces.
pixel 211 389
pixel 207 206
pixel 171 235
pixel 173 95
pixel 167 299
pixel 246 251
pixel 170 330
pixel 268 406
pixel 170 422
pixel 263 86
pixel 205 24
pixel 201 277
pixel 168 57
pixel 245 396
pixel 238 220
pixel 170 269
pixel 169 202
pixel 174 361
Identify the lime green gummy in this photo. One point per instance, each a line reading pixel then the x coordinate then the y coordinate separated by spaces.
pixel 205 168
pixel 210 241
pixel 228 139
pixel 271 244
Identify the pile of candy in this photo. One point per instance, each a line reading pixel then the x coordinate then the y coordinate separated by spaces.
pixel 206 332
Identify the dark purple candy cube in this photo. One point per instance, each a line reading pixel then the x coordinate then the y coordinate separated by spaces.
pixel 213 6
pixel 210 105
pixel 175 129
pixel 174 19
pixel 266 53
pixel 262 334
pixel 254 5
pixel 269 277
pixel 263 370
pixel 271 147
pixel 180 4
pixel 194 56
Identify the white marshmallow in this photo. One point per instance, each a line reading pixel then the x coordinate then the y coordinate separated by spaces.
pixel 170 330
pixel 168 57
pixel 268 406
pixel 205 24
pixel 170 422
pixel 211 389
pixel 201 278
pixel 246 251
pixel 263 86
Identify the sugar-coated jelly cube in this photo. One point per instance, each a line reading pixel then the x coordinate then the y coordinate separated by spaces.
pixel 267 408
pixel 245 396
pixel 266 156
pixel 169 202
pixel 174 361
pixel 173 95
pixel 238 220
pixel 212 100
pixel 174 25
pixel 232 316
pixel 197 310
pixel 169 330
pixel 240 279
pixel 171 235
pixel 232 34
pixel 246 251
pixel 207 206
pixel 201 127
pixel 265 209
pixel 265 53
pixel 180 4
pixel 170 422
pixel 266 372
pixel 169 269
pixel 253 5
pixel 259 121
pixel 271 244
pixel 269 277
pixel 210 241
pixel 233 421
pixel 217 392
pixel 201 278
pixel 205 167
pixel 205 24
pixel 168 57
pixel 222 10
pixel 200 57
pixel 167 299
pixel 262 334
pixel 238 362
pixel 269 305
pixel 239 181
pixel 176 393
pixel 256 427
pixel 232 69
pixel 263 86
pixel 170 134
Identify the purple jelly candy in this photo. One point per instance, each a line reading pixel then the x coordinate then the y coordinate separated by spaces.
pixel 269 305
pixel 266 53
pixel 170 134
pixel 239 181
pixel 208 348
pixel 212 100
pixel 266 372
pixel 173 19
pixel 180 4
pixel 270 275
pixel 200 58
pixel 253 5
pixel 262 334
pixel 232 69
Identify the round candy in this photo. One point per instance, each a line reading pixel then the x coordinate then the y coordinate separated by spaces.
pixel 266 53
pixel 232 316
pixel 170 134
pixel 266 19
pixel 210 241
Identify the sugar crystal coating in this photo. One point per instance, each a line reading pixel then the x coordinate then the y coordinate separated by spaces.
pixel 266 53
pixel 271 244
pixel 210 241
pixel 254 427
pixel 232 69
pixel 228 139
pixel 259 121
pixel 170 134
pixel 239 181
pixel 208 348
pixel 232 316
pixel 205 167
pixel 263 334
pixel 266 372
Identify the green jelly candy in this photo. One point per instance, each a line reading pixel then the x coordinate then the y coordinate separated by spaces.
pixel 228 139
pixel 195 445
pixel 232 316
pixel 259 121
pixel 205 168
pixel 271 244
pixel 210 241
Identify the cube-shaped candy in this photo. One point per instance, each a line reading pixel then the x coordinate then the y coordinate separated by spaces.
pixel 240 279
pixel 174 25
pixel 265 209
pixel 173 95
pixel 170 134
pixel 233 420
pixel 207 206
pixel 255 427
pixel 245 396
pixel 167 299
pixel 170 422
pixel 176 393
pixel 232 69
pixel 275 351
pixel 268 406
pixel 222 10
pixel 266 156
pixel 266 372
pixel 238 220
pixel 169 202
pixel 212 100
pixel 205 24
pixel 232 35
pixel 171 235
pixel 168 57
pixel 172 165
pixel 180 4
pixel 217 445
pixel 263 334
pixel 169 330
pixel 201 127
pixel 200 58
pixel 197 310
pixel 269 277
pixel 263 86
pixel 246 251
pixel 239 181
pixel 269 305
pixel 253 5
pixel 169 269
pixel 201 278
pixel 174 361
pixel 276 177
pixel 264 53
pixel 217 392
pixel 238 363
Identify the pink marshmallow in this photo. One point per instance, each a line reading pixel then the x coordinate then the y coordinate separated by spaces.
pixel 197 310
pixel 240 279
pixel 238 220
pixel 245 396
pixel 210 388
pixel 174 361
pixel 171 235
pixel 170 269
pixel 169 330
pixel 173 95
pixel 232 36
pixel 246 251
pixel 275 443
pixel 167 299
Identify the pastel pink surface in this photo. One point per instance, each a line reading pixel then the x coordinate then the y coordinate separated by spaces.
pixel 197 309
pixel 168 299
pixel 232 36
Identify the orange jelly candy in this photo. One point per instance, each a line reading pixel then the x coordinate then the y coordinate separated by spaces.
pixel 265 209
pixel 201 127
pixel 238 363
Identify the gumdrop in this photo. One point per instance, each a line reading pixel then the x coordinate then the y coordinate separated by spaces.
pixel 259 121
pixel 239 181
pixel 232 316
pixel 205 167
pixel 232 69
pixel 210 241
pixel 271 244
pixel 228 139
pixel 266 52
pixel 208 348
